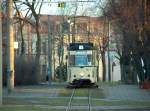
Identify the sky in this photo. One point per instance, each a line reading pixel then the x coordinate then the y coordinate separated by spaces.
pixel 50 7
pixel 83 8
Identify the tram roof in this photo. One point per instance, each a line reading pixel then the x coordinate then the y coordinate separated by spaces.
pixel 81 46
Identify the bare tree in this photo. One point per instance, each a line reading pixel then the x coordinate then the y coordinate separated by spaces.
pixel 102 47
pixel 21 24
pixel 32 7
pixel 31 16
pixel 65 29
pixel 129 19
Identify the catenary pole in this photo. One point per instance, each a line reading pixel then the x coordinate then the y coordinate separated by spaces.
pixel 108 53
pixel 0 53
pixel 49 51
pixel 10 47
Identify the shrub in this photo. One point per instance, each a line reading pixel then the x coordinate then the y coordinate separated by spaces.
pixel 61 72
pixel 26 71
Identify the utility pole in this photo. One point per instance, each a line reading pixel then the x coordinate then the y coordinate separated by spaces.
pixel 74 23
pixel 10 47
pixel 108 53
pixel 49 73
pixel 73 32
pixel 89 28
pixel 1 53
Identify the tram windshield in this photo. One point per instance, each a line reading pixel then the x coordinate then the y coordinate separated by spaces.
pixel 81 59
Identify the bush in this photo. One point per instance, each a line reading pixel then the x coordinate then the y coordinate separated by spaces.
pixel 61 72
pixel 26 71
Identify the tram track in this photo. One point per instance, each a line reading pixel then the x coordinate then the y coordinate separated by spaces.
pixel 73 97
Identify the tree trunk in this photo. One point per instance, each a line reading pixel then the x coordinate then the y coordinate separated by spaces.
pixel 38 43
pixel 22 39
pixel 139 68
pixel 122 73
pixel 38 50
pixel 104 66
pixel 146 62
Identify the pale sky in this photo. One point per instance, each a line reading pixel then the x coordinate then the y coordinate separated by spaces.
pixel 50 7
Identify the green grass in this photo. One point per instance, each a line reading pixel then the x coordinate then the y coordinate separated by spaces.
pixel 64 102
pixel 43 104
pixel 118 103
pixel 81 92
pixel 44 100
pixel 64 92
pixel 38 108
pixel 58 91
pixel 80 102
pixel 95 93
pixel 35 101
pixel 27 108
pixel 109 83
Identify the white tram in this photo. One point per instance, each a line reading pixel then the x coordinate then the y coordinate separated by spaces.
pixel 82 65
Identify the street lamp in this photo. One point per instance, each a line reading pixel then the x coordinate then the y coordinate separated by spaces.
pixel 69 21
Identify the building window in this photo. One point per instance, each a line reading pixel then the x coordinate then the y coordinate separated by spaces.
pixel 81 28
pixel 57 28
pixel 44 48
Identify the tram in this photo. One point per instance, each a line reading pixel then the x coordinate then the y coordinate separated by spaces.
pixel 82 65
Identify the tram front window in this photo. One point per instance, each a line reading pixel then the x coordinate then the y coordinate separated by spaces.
pixel 80 60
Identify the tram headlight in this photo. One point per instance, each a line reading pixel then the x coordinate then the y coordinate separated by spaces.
pixel 81 74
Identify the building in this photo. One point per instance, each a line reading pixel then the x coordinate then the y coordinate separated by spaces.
pixel 57 29
pixel 86 29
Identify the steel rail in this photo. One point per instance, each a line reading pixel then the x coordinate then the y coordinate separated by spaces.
pixel 70 101
pixel 89 100
pixel 69 106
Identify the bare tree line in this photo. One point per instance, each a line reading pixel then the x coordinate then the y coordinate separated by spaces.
pixel 130 18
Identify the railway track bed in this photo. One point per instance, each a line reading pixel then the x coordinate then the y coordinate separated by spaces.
pixel 56 98
pixel 86 104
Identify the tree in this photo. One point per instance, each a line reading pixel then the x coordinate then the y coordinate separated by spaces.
pixel 32 7
pixel 128 17
pixel 32 17
pixel 61 45
pixel 20 20
pixel 103 45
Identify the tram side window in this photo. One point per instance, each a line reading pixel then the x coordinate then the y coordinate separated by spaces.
pixel 72 60
pixel 89 59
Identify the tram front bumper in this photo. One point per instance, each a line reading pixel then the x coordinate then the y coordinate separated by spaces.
pixel 82 81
